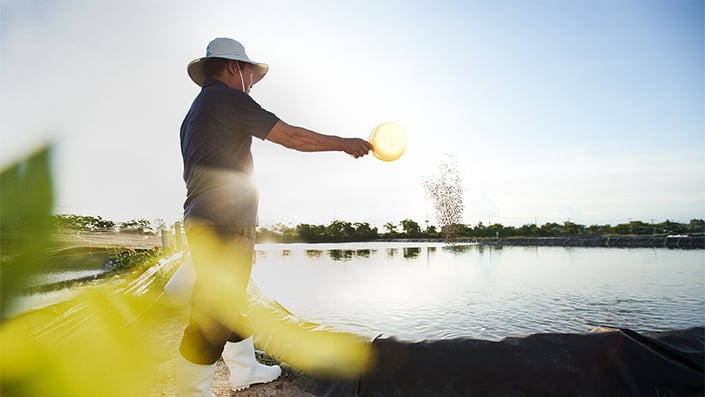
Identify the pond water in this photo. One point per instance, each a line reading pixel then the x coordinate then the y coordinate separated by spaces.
pixel 39 299
pixel 430 290
pixel 61 275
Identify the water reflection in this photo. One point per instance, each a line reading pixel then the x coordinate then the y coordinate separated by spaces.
pixel 458 248
pixel 438 291
pixel 341 255
pixel 392 252
pixel 363 253
pixel 346 255
pixel 406 252
pixel 314 254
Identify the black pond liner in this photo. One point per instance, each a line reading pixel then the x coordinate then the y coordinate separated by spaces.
pixel 617 362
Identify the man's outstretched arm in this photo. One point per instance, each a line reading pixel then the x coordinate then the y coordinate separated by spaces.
pixel 304 140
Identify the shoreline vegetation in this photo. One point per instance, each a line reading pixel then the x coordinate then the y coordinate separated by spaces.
pixel 121 252
pixel 672 242
pixel 567 233
pixel 667 234
pixel 124 247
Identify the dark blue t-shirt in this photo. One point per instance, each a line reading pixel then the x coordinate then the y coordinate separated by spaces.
pixel 216 137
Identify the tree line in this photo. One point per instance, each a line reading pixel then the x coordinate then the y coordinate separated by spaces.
pixel 88 223
pixel 343 231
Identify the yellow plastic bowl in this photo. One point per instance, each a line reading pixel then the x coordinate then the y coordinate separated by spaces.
pixel 389 141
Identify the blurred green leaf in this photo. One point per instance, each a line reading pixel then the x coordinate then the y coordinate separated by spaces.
pixel 26 199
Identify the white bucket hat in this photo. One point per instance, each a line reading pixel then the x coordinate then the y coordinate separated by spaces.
pixel 222 47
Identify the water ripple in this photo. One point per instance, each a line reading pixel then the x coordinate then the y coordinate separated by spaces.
pixel 509 293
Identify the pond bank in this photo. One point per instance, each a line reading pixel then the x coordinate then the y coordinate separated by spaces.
pixel 674 242
pixel 684 242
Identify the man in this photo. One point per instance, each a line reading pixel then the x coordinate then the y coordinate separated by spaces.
pixel 220 211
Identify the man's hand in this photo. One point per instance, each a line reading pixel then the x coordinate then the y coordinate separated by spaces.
pixel 357 147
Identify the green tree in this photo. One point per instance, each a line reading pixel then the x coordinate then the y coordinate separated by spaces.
pixel 391 229
pixel 340 231
pixel 599 229
pixel 550 229
pixel 311 233
pixel 363 231
pixel 478 231
pixel 497 230
pixel 410 228
pixel 639 227
pixel 431 231
pixel 696 226
pixel 622 229
pixel 286 233
pixel 141 226
pixel 668 227
pixel 83 223
pixel 528 230
pixel 572 228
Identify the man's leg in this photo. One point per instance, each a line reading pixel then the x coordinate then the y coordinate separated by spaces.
pixel 223 261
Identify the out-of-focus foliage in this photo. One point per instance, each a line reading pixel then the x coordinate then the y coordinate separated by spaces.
pixel 94 345
pixel 91 345
pixel 25 206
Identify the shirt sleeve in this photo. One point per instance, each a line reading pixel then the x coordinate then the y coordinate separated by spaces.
pixel 250 116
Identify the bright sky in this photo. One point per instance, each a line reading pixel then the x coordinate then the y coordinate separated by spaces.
pixel 588 111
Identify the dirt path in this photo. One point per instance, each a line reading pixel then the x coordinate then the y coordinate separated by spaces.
pixel 283 386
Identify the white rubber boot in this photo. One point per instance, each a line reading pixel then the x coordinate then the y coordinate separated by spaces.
pixel 244 368
pixel 180 285
pixel 193 380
